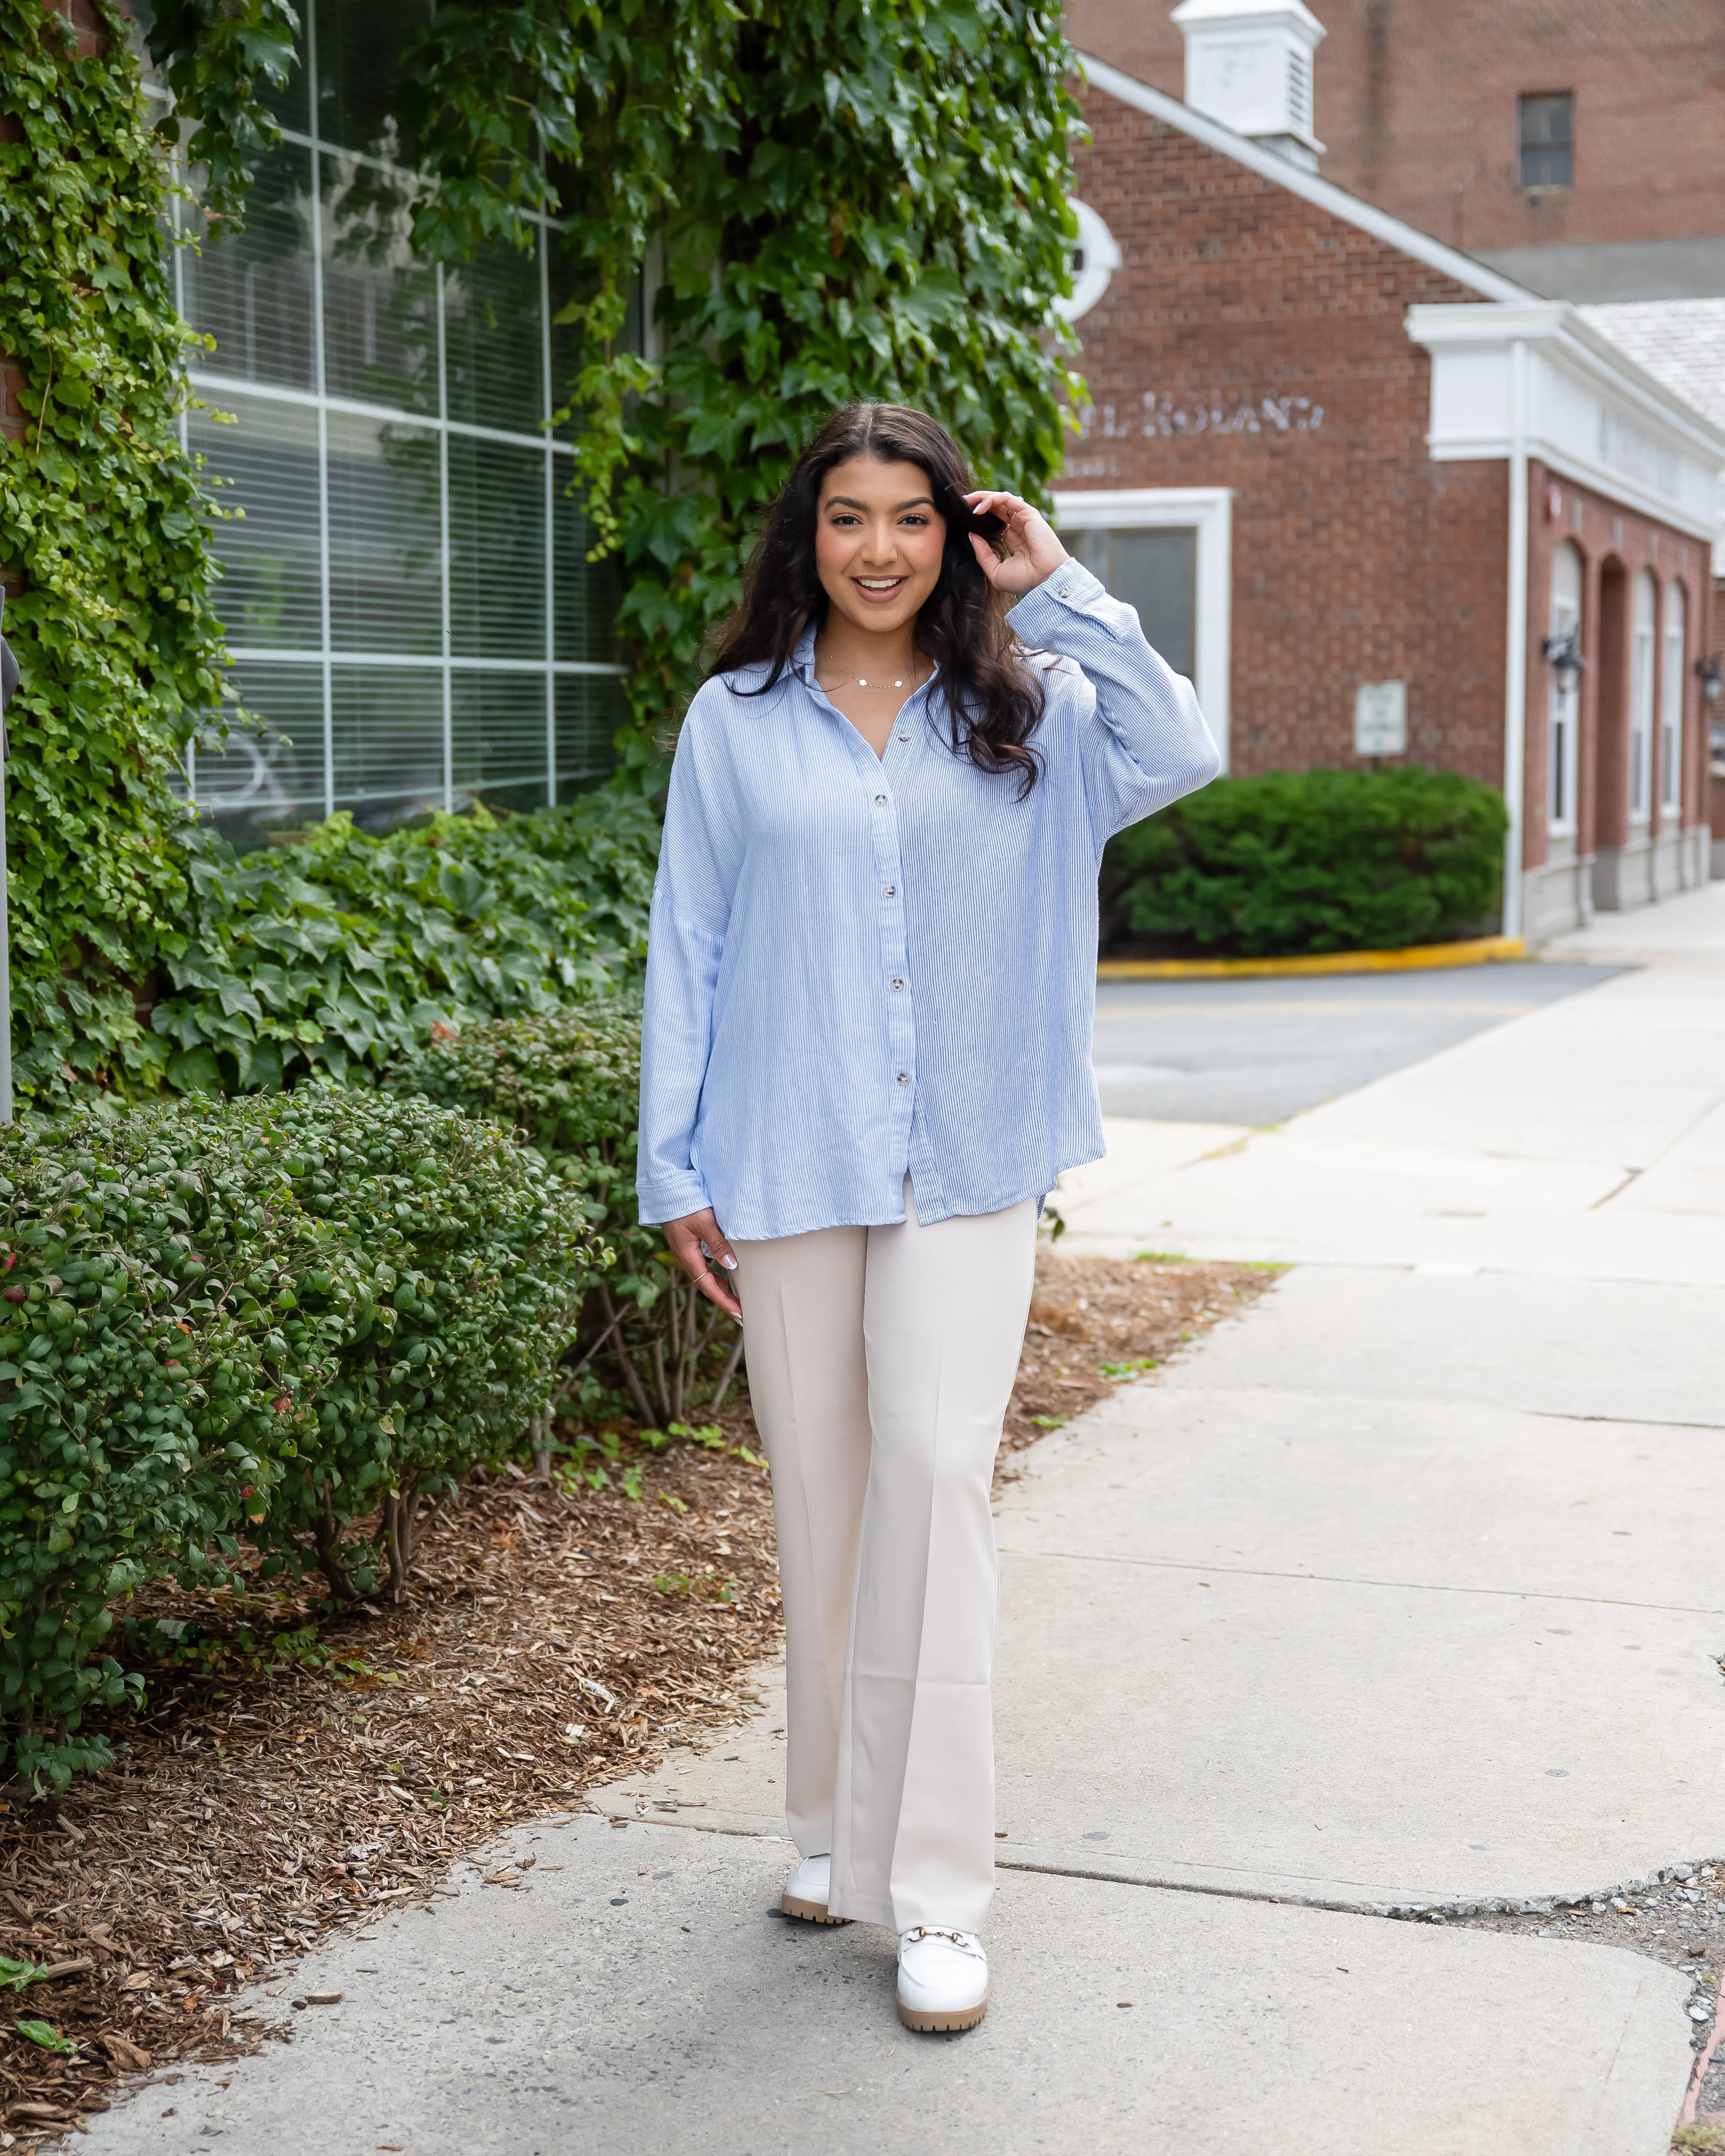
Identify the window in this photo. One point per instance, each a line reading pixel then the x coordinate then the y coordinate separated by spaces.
pixel 407 596
pixel 1156 572
pixel 1164 551
pixel 1562 717
pixel 1671 705
pixel 1640 743
pixel 1547 140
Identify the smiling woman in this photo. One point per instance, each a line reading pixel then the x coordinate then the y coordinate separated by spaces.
pixel 866 1061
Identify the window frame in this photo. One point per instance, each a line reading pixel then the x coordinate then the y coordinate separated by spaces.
pixel 1208 510
pixel 327 657
pixel 1673 679
pixel 1564 704
pixel 1643 696
pixel 1527 147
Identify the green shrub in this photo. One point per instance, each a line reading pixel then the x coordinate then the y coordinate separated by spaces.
pixel 267 1319
pixel 569 1084
pixel 480 1260
pixel 334 954
pixel 1312 861
pixel 170 1315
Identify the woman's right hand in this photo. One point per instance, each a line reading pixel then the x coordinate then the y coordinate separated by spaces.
pixel 701 1250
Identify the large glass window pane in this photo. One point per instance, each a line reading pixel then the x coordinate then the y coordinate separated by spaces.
pixel 291 104
pixel 268 545
pixel 498 731
pixel 1155 570
pixel 385 538
pixel 585 592
pixel 493 343
pixel 590 709
pixel 274 781
pixel 379 305
pixel 496 549
pixel 251 292
pixel 386 724
pixel 358 70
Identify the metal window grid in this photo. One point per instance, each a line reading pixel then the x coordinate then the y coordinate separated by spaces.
pixel 558 467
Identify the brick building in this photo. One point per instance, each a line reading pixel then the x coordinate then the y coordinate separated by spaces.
pixel 1368 489
pixel 1576 144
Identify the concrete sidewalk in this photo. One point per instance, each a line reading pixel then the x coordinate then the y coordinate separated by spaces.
pixel 1401 1593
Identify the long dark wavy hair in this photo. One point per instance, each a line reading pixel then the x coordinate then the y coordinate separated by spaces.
pixel 993 696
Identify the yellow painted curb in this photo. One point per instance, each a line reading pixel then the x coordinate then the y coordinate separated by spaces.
pixel 1417 958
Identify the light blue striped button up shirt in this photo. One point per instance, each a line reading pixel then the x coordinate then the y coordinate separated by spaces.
pixel 860 966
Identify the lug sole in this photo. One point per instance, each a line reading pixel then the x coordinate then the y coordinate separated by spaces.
pixel 810 1912
pixel 928 2022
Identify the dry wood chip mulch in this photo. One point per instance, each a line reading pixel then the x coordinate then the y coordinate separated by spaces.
pixel 550 1639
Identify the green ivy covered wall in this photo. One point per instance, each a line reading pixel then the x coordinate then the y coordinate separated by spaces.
pixel 500 324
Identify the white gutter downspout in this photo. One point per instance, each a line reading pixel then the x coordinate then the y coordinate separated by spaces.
pixel 1515 686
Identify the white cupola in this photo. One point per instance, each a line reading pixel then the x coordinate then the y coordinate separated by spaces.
pixel 1249 64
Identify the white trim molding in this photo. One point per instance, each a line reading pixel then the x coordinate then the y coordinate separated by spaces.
pixel 1590 413
pixel 1324 194
pixel 1208 510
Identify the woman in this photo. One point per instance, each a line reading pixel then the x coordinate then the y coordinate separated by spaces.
pixel 870 990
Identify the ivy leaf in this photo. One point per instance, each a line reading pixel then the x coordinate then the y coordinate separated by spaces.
pixel 195 1071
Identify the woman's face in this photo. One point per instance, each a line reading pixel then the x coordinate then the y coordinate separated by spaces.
pixel 878 541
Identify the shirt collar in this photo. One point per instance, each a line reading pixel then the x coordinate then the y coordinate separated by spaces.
pixel 803 657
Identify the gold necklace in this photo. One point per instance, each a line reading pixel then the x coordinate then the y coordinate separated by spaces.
pixel 846 681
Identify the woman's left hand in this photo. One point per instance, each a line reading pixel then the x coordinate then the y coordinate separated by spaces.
pixel 1032 553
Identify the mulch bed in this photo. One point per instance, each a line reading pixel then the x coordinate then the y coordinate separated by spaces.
pixel 551 1638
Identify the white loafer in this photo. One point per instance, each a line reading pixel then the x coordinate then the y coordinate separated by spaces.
pixel 942 1980
pixel 806 1894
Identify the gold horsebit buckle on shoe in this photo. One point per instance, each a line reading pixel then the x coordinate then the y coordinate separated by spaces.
pixel 922 1932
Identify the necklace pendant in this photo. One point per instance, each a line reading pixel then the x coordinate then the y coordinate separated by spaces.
pixel 860 683
pixel 898 685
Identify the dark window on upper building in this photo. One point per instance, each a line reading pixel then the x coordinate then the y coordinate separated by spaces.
pixel 1548 140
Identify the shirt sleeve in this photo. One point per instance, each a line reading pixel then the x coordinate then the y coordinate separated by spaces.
pixel 1144 742
pixel 686 942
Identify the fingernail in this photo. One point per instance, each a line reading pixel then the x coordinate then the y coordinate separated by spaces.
pixel 728 1262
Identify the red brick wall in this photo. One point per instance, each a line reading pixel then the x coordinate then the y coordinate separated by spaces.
pixel 1416 102
pixel 1355 556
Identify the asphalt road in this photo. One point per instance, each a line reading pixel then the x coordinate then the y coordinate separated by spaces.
pixel 1257 1051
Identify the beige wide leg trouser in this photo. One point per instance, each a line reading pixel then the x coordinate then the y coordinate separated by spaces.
pixel 881 1361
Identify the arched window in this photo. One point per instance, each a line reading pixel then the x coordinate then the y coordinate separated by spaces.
pixel 1563 723
pixel 1671 705
pixel 1641 744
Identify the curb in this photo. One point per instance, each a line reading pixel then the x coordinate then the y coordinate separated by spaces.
pixel 1417 958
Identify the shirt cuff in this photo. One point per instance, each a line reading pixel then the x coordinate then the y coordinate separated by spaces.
pixel 672 1197
pixel 1036 619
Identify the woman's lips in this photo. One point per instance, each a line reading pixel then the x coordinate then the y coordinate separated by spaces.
pixel 881 589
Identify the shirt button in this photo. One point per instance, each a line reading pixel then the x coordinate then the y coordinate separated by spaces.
pixel 891 889
pixel 904 1077
pixel 879 800
pixel 904 736
pixel 898 984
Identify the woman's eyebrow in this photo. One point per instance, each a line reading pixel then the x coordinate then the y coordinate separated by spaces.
pixel 848 501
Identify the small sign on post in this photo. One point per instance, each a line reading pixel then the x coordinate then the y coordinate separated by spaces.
pixel 1380 718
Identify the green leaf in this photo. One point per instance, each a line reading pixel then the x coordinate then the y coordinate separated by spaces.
pixel 44 2033
pixel 195 1071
